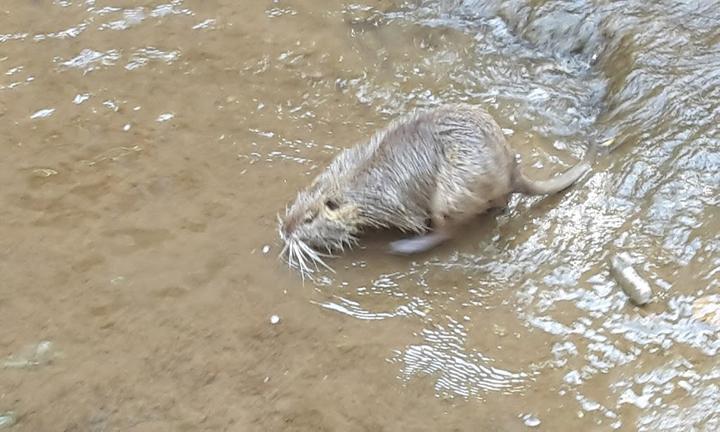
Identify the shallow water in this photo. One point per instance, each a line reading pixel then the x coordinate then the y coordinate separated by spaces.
pixel 147 147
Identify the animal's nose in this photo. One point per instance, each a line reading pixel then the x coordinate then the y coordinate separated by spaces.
pixel 287 227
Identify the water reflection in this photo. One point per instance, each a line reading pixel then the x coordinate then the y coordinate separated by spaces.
pixel 456 371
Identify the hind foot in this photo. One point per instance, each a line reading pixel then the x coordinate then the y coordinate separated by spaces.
pixel 418 244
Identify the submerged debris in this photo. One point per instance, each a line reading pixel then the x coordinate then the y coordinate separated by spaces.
pixel 31 355
pixel 637 288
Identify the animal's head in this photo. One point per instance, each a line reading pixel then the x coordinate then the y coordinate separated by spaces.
pixel 320 221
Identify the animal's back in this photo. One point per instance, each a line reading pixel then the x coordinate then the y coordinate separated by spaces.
pixel 458 134
pixel 402 168
pixel 478 165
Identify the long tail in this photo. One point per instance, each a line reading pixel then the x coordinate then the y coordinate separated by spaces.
pixel 523 184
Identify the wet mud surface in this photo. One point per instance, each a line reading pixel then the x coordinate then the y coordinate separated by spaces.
pixel 148 146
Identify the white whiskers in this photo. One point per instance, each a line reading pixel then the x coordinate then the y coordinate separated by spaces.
pixel 304 258
pixel 301 256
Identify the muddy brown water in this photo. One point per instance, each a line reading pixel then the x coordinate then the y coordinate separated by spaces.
pixel 148 145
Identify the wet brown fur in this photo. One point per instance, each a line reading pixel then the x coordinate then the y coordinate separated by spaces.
pixel 445 165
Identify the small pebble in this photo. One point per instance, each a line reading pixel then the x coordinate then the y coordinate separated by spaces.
pixel 266 249
pixel 274 319
pixel 126 127
pixel 531 421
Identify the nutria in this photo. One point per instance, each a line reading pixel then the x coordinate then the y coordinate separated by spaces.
pixel 426 173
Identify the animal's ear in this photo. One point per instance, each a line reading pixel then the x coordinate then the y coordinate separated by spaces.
pixel 331 204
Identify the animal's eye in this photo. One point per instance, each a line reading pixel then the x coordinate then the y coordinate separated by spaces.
pixel 332 205
pixel 308 219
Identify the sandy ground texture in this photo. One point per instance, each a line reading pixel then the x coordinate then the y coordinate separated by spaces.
pixel 147 147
